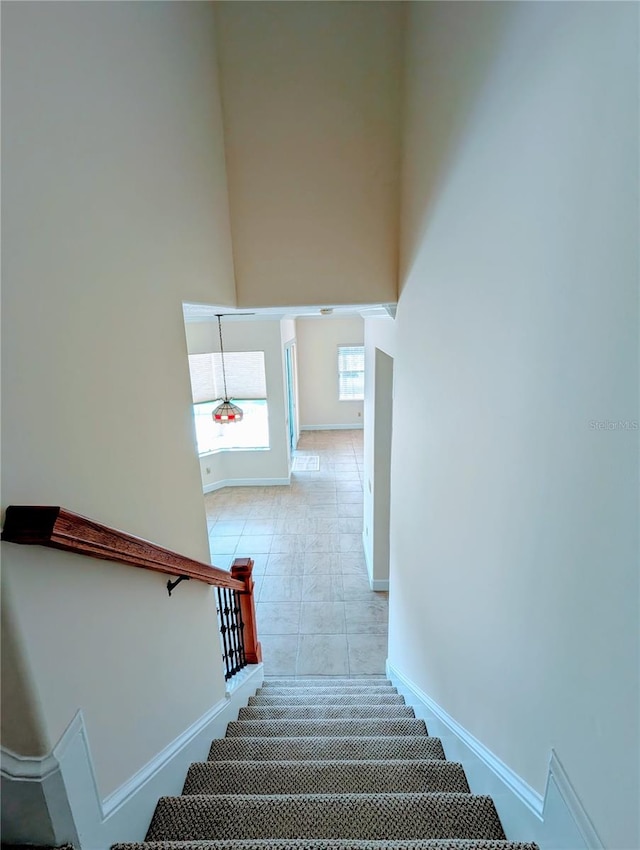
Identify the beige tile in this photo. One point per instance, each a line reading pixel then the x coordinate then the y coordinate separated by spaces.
pixel 356 588
pixel 262 511
pixel 287 525
pixel 257 587
pixel 281 589
pixel 349 497
pixel 323 618
pixel 259 564
pixel 326 496
pixel 279 654
pixel 285 565
pixel 350 543
pixel 367 654
pixel 322 563
pixel 323 511
pixel 222 545
pixel 287 543
pixel 366 617
pixel 233 512
pixel 278 618
pixel 222 562
pixel 309 522
pixel 322 655
pixel 320 542
pixel 259 526
pixel 326 525
pixel 350 525
pixel 259 544
pixel 297 511
pixel 227 528
pixel 352 562
pixel 322 588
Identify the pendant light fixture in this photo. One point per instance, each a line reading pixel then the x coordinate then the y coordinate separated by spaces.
pixel 225 412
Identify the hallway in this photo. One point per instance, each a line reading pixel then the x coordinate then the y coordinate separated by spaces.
pixel 316 612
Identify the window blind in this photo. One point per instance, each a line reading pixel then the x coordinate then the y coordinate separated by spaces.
pixel 350 372
pixel 246 378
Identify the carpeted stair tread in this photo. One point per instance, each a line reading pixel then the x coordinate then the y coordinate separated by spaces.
pixel 320 681
pixel 325 728
pixel 325 777
pixel 324 712
pixel 331 844
pixel 337 699
pixel 326 764
pixel 370 816
pixel 406 747
pixel 317 691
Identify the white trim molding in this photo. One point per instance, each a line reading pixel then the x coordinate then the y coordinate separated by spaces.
pixel 15 766
pixel 379 584
pixel 559 786
pixel 555 821
pixel 245 482
pixel 73 811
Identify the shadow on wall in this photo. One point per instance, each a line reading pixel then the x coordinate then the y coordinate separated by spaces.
pixel 469 42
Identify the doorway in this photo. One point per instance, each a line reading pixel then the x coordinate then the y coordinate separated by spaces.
pixel 292 395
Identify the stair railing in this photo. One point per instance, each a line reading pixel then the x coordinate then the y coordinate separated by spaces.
pixel 58 528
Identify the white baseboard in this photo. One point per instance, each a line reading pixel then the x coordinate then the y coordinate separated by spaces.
pixel 374 583
pixel 63 783
pixel 245 482
pixel 355 427
pixel 555 821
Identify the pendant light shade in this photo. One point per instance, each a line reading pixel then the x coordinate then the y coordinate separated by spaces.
pixel 225 412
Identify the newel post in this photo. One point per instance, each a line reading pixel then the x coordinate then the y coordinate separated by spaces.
pixel 241 570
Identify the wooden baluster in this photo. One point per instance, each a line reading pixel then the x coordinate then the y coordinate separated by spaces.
pixel 241 570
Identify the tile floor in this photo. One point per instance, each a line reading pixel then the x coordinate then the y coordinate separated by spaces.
pixel 316 612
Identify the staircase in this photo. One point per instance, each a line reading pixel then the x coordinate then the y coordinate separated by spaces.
pixel 326 763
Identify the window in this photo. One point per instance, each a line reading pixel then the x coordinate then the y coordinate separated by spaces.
pixel 350 372
pixel 246 379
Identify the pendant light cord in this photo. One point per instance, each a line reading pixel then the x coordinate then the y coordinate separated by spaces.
pixel 224 376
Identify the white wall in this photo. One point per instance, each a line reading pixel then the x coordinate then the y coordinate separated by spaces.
pixel 237 465
pixel 318 341
pixel 514 538
pixel 379 343
pixel 114 212
pixel 311 97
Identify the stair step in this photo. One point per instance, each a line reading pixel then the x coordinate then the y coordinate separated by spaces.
pixel 325 777
pixel 325 728
pixel 324 681
pixel 324 712
pixel 330 844
pixel 375 816
pixel 337 699
pixel 325 690
pixel 404 747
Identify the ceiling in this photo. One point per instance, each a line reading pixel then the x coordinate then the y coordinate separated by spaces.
pixel 208 312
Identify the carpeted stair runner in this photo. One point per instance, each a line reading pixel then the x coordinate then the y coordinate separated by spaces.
pixel 335 764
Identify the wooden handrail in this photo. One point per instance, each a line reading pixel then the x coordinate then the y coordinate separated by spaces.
pixel 61 529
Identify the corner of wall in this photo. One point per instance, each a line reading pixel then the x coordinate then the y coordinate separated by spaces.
pixel 556 820
pixel 55 799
